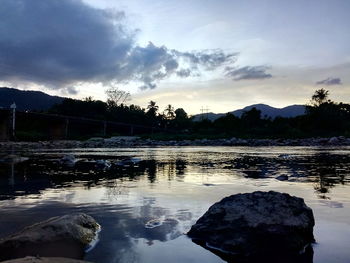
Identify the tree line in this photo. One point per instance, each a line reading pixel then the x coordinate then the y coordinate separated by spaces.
pixel 323 117
pixel 116 109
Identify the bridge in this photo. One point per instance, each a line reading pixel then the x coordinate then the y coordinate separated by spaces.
pixel 46 126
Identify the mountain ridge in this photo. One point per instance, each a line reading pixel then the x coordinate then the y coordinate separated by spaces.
pixel 38 100
pixel 27 99
pixel 266 111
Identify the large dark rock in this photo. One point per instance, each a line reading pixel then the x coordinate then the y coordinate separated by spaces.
pixel 257 226
pixel 66 236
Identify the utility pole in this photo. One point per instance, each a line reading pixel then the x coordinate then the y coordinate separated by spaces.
pixel 66 129
pixel 204 111
pixel 104 128
pixel 13 107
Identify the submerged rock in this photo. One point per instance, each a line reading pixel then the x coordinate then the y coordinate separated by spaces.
pixel 261 225
pixel 66 236
pixel 334 140
pixel 68 160
pixel 103 164
pixel 129 162
pixel 282 177
pixel 44 260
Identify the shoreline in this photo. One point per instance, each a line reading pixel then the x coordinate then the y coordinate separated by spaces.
pixel 133 141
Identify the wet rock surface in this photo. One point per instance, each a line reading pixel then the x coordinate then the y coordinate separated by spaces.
pixel 66 236
pixel 257 226
pixel 44 260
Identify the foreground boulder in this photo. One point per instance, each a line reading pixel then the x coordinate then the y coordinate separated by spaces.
pixel 257 226
pixel 66 236
pixel 43 260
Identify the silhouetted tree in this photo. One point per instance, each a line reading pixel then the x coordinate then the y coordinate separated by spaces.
pixel 323 118
pixel 181 121
pixel 152 109
pixel 320 96
pixel 169 112
pixel 116 96
pixel 180 114
pixel 251 118
pixel 228 123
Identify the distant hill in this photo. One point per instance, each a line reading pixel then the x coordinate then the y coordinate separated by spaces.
pixel 266 111
pixel 27 99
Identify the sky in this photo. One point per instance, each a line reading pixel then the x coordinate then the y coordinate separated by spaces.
pixel 217 54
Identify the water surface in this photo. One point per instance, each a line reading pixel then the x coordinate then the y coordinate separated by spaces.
pixel 144 210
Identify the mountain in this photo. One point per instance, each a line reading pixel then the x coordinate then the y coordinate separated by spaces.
pixel 266 111
pixel 27 99
pixel 210 116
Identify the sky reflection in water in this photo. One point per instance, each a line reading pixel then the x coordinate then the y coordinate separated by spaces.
pixel 145 210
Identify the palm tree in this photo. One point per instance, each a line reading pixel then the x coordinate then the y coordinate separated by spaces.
pixel 169 112
pixel 152 108
pixel 320 96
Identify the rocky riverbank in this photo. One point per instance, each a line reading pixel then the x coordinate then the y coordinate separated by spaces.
pixel 133 141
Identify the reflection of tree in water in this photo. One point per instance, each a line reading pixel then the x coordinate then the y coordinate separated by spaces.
pixel 38 174
pixel 171 169
pixel 166 169
pixel 327 171
pixel 181 168
pixel 16 180
pixel 324 170
pixel 151 171
pixel 116 188
pixel 254 166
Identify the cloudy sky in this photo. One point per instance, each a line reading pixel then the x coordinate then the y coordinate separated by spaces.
pixel 222 54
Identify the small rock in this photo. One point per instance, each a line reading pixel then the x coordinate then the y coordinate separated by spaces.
pixel 65 236
pixel 68 160
pixel 257 226
pixel 129 162
pixel 333 140
pixel 282 177
pixel 103 164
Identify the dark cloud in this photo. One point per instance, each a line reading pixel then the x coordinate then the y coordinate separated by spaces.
pixel 248 73
pixel 62 42
pixel 183 73
pixel 330 82
pixel 209 59
pixel 148 65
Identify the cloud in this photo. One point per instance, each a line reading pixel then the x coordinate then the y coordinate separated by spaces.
pixel 330 82
pixel 209 59
pixel 59 43
pixel 248 72
pixel 183 73
pixel 69 90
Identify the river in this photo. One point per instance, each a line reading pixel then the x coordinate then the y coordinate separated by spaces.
pixel 145 209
